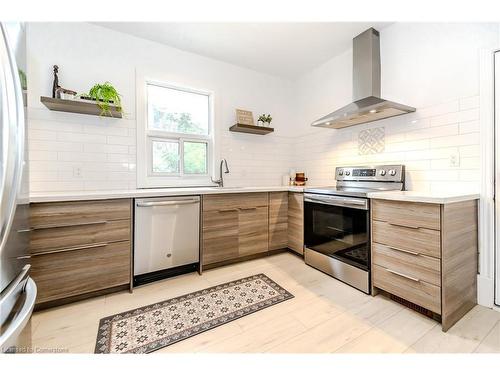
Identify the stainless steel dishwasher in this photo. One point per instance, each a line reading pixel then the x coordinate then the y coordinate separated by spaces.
pixel 166 237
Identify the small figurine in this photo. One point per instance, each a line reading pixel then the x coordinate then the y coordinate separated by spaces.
pixel 58 90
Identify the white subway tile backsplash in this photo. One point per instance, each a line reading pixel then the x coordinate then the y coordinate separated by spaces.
pixel 118 140
pixel 424 141
pixel 469 127
pixel 42 135
pixel 104 150
pixel 42 155
pixel 81 137
pixel 469 103
pixel 448 118
pixel 469 115
pixel 455 140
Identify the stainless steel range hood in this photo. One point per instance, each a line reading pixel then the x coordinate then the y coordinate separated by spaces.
pixel 367 104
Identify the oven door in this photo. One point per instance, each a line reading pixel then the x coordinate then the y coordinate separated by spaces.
pixel 338 227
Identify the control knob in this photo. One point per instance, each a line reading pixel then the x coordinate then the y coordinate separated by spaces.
pixel 347 173
pixel 341 172
pixel 392 172
pixel 382 172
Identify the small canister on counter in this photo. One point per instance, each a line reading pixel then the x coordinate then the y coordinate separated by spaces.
pixel 300 179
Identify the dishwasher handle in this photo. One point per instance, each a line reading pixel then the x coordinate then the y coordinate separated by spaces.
pixel 166 203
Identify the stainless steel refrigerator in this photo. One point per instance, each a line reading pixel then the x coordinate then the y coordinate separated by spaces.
pixel 17 289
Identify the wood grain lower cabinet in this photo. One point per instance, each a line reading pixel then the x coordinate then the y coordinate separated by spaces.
pixel 278 220
pixel 79 248
pixel 427 256
pixel 70 273
pixel 296 222
pixel 234 226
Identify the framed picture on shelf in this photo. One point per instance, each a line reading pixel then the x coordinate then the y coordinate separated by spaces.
pixel 244 117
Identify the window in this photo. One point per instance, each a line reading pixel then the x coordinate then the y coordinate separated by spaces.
pixel 177 135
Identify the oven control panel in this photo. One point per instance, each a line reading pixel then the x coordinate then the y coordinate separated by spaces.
pixel 393 173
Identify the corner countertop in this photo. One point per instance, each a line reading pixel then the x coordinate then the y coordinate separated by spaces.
pixel 424 196
pixel 149 193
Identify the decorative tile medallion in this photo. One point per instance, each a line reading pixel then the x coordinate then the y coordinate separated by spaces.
pixel 371 141
pixel 155 326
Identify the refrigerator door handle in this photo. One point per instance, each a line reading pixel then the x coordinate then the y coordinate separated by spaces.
pixel 22 277
pixel 13 137
pixel 21 319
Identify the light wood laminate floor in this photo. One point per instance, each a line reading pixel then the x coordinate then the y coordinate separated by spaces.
pixel 325 316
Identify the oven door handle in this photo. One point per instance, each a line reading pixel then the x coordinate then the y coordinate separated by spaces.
pixel 339 201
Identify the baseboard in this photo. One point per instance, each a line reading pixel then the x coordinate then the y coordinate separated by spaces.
pixel 485 291
pixel 244 258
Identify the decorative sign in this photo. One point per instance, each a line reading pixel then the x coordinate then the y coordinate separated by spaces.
pixel 244 117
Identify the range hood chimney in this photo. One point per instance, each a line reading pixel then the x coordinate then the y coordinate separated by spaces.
pixel 367 104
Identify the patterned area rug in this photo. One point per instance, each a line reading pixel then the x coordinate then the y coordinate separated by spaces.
pixel 153 327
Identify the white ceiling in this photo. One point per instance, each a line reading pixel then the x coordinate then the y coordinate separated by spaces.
pixel 283 49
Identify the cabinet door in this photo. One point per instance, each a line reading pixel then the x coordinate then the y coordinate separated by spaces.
pixel 253 226
pixel 296 222
pixel 220 235
pixel 278 220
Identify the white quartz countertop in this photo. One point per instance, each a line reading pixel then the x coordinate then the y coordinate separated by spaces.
pixel 424 197
pixel 144 193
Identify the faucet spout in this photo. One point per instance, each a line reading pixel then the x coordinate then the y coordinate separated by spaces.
pixel 220 181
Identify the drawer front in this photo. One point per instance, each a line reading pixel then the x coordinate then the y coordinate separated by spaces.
pixel 78 235
pixel 421 267
pixel 220 236
pixel 70 273
pixel 216 202
pixel 417 215
pixel 418 292
pixel 61 214
pixel 422 241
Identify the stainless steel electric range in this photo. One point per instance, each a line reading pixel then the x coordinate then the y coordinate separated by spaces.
pixel 337 221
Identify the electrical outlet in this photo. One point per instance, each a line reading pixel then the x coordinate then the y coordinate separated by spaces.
pixel 77 172
pixel 454 158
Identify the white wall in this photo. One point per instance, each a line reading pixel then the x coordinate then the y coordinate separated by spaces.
pixel 103 150
pixel 433 67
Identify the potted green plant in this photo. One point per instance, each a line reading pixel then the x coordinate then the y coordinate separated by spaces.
pixel 105 95
pixel 265 120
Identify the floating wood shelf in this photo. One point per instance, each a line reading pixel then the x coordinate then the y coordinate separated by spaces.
pixel 75 106
pixel 251 129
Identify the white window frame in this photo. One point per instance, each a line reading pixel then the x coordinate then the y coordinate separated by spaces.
pixel 146 178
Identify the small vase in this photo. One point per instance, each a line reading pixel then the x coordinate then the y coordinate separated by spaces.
pixel 260 123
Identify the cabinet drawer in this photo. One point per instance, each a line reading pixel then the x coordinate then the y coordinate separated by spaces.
pixel 77 235
pixel 410 214
pixel 70 273
pixel 218 202
pixel 418 292
pixel 422 267
pixel 63 214
pixel 420 240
